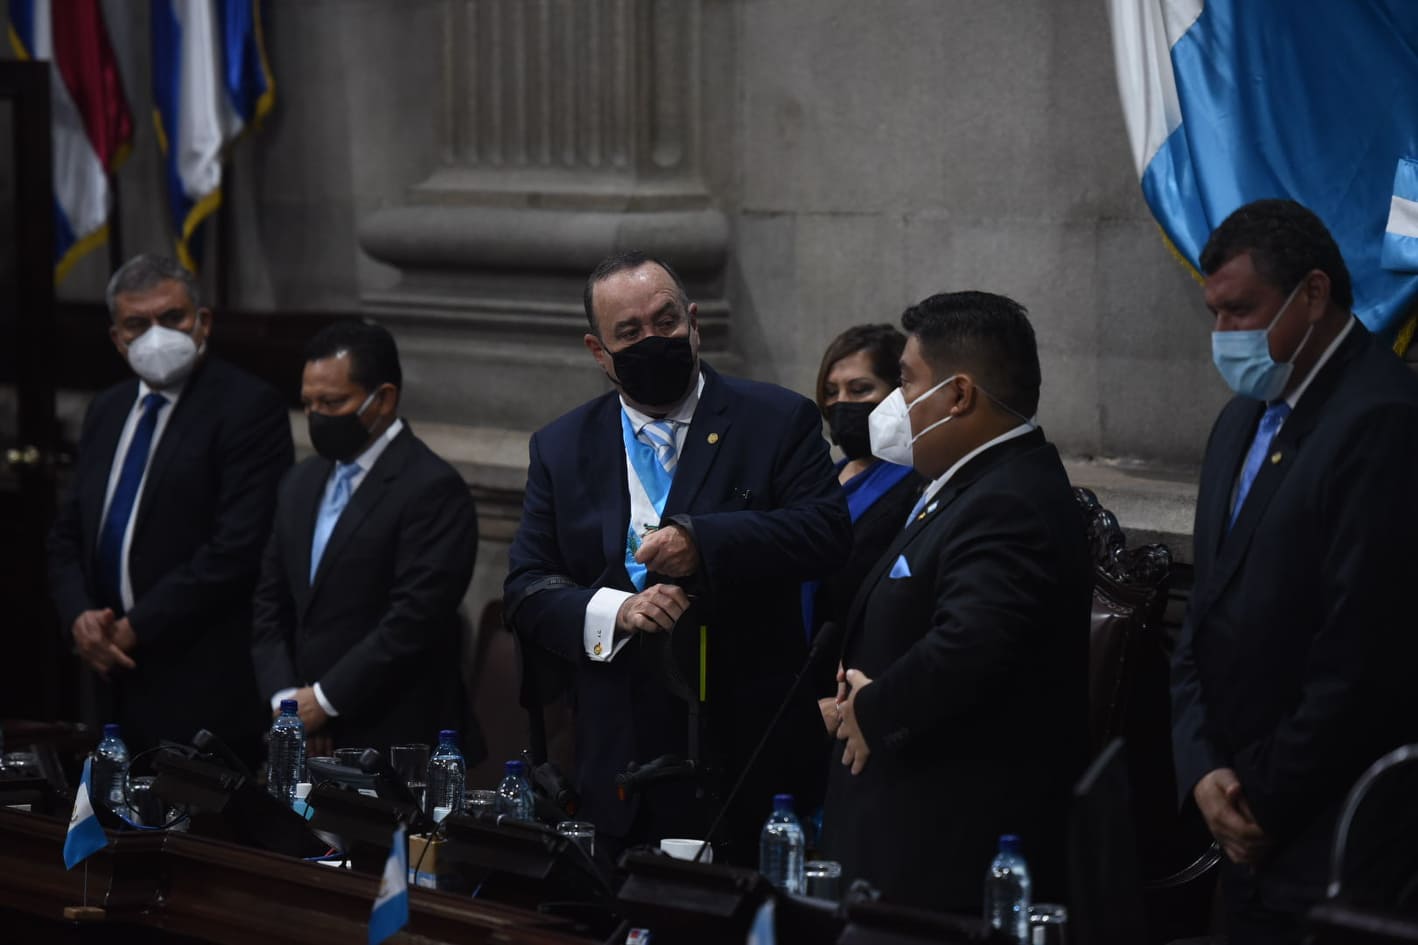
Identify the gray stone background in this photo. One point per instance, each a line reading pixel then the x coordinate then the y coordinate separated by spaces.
pixel 862 155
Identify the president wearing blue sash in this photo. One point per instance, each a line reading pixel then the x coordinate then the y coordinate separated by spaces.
pixel 684 507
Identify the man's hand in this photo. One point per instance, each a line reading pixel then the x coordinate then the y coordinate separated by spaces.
pixel 308 707
pixel 93 638
pixel 1228 816
pixel 831 706
pixel 123 636
pixel 857 751
pixel 652 610
pixel 669 551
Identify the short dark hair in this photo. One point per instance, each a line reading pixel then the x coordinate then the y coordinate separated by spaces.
pixel 882 343
pixel 374 358
pixel 1286 241
pixel 147 271
pixel 986 335
pixel 621 262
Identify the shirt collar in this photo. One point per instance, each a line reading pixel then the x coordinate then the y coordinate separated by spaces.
pixel 683 412
pixel 366 460
pixel 1004 437
pixel 1294 397
pixel 170 394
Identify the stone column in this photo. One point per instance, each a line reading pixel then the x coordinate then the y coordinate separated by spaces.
pixel 570 130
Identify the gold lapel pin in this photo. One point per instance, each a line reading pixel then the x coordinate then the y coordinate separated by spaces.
pixel 713 438
pixel 1276 457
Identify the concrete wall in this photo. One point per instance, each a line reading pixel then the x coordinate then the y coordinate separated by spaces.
pixel 867 154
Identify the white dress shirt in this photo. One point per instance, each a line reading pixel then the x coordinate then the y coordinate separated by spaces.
pixel 598 628
pixel 173 394
pixel 938 484
pixel 365 461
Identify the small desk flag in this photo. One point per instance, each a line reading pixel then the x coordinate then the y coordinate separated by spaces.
pixel 85 837
pixel 391 906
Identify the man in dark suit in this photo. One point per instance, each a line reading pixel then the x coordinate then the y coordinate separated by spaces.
pixel 1292 671
pixel 357 606
pixel 962 708
pixel 156 548
pixel 673 517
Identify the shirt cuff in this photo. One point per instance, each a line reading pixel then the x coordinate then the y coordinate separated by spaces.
pixel 324 703
pixel 598 631
pixel 281 696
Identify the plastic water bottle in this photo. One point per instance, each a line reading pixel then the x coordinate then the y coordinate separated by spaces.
pixel 110 769
pixel 780 847
pixel 447 773
pixel 1007 891
pixel 287 754
pixel 514 794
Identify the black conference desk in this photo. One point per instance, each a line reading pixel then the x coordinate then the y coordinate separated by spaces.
pixel 177 888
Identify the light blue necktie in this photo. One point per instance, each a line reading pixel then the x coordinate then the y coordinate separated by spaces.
pixel 1270 422
pixel 330 508
pixel 660 435
pixel 653 456
pixel 125 496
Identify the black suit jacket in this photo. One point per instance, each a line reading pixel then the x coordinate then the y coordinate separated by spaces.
pixel 379 627
pixel 977 714
pixel 756 487
pixel 202 519
pixel 1295 660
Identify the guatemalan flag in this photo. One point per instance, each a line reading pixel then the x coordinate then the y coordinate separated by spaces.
pixel 85 836
pixel 211 80
pixel 391 906
pixel 1229 101
pixel 92 126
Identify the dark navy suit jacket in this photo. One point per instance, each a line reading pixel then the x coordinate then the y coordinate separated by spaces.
pixel 756 487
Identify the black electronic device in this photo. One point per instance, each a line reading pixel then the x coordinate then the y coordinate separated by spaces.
pixel 362 807
pixel 688 903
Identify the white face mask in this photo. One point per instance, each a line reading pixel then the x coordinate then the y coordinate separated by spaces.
pixel 890 426
pixel 163 356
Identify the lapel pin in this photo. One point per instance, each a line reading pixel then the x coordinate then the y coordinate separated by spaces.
pixel 713 438
pixel 1276 457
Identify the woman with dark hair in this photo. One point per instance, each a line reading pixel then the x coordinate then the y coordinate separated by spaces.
pixel 859 369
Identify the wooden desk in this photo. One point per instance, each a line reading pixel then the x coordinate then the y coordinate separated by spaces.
pixel 176 888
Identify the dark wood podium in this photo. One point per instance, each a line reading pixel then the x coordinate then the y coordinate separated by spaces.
pixel 176 888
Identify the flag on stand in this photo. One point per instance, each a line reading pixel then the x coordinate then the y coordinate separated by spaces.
pixel 211 81
pixel 1229 101
pixel 86 836
pixel 391 906
pixel 92 128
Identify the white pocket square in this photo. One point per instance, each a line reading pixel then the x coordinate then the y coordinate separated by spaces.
pixel 900 569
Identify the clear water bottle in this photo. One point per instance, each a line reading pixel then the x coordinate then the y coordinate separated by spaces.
pixel 1007 891
pixel 287 753
pixel 780 847
pixel 447 773
pixel 109 772
pixel 514 794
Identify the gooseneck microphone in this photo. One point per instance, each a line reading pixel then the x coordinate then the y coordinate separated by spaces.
pixel 830 632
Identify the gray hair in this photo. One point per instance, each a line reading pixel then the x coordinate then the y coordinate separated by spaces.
pixel 145 271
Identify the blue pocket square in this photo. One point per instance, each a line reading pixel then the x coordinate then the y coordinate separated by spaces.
pixel 900 569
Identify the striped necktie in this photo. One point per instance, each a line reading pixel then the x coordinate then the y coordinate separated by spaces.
pixel 660 436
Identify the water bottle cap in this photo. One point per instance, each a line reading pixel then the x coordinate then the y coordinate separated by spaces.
pixel 448 735
pixel 514 767
pixel 1009 843
pixel 110 730
pixel 289 705
pixel 782 802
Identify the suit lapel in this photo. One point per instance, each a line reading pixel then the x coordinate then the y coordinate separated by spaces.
pixel 702 443
pixel 602 447
pixel 370 493
pixel 307 490
pixel 1232 444
pixel 192 408
pixel 106 445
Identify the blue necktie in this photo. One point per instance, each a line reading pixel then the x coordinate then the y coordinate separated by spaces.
pixel 660 434
pixel 330 508
pixel 653 456
pixel 125 495
pixel 1270 422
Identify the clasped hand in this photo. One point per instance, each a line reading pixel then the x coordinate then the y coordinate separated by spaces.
pixel 104 642
pixel 1228 816
pixel 839 715
pixel 669 551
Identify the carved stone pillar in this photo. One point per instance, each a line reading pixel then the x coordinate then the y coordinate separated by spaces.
pixel 570 130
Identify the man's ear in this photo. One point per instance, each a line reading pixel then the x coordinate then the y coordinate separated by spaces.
pixel 598 351
pixel 1316 294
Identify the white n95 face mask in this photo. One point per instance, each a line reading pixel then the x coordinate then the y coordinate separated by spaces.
pixel 162 356
pixel 890 426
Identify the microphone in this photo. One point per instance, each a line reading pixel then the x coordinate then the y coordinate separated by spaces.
pixel 819 646
pixel 209 743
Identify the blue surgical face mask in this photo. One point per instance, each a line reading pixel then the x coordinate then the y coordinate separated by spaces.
pixel 1243 358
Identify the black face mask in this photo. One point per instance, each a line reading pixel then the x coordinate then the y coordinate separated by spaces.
pixel 850 430
pixel 656 371
pixel 339 437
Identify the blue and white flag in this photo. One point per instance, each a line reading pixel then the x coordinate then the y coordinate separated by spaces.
pixel 1230 101
pixel 211 80
pixel 391 906
pixel 85 836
